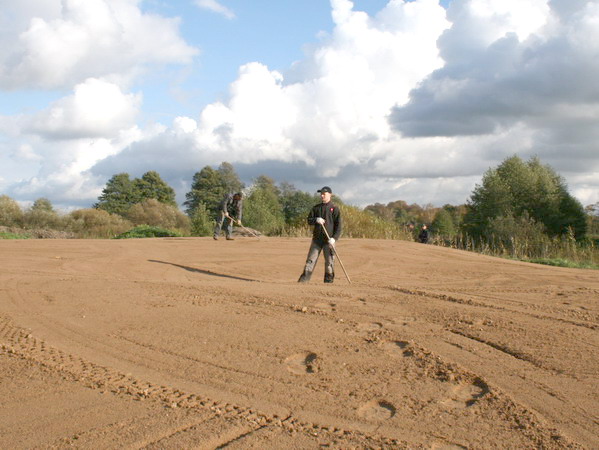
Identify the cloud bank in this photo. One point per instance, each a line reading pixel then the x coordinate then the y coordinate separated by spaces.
pixel 413 103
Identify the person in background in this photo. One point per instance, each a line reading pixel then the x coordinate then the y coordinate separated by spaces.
pixel 323 216
pixel 424 234
pixel 230 211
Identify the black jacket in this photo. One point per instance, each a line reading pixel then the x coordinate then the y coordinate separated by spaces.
pixel 332 216
pixel 232 207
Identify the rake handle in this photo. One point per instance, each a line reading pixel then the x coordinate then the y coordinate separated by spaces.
pixel 239 223
pixel 336 254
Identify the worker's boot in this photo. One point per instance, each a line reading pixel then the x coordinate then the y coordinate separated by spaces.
pixel 305 277
pixel 329 277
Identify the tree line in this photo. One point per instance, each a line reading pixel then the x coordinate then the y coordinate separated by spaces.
pixel 268 207
pixel 517 199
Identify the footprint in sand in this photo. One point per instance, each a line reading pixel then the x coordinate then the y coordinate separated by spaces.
pixel 327 306
pixel 446 446
pixel 398 348
pixel 376 410
pixel 464 395
pixel 302 363
pixel 370 326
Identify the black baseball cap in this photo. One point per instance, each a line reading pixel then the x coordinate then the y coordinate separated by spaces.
pixel 325 189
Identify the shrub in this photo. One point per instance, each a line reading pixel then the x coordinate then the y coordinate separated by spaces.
pixel 359 223
pixel 96 223
pixel 154 213
pixel 201 223
pixel 147 231
pixel 11 214
pixel 43 219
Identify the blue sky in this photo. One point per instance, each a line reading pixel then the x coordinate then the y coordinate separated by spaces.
pixel 382 99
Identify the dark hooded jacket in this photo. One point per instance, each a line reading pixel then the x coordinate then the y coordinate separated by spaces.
pixel 232 207
pixel 332 216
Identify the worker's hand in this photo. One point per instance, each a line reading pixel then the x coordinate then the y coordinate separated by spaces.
pixel 320 220
pixel 239 222
pixel 332 242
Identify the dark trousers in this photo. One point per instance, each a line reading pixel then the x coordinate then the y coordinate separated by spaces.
pixel 220 221
pixel 313 254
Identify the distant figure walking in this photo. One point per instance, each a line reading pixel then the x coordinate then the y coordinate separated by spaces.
pixel 230 211
pixel 424 234
pixel 324 215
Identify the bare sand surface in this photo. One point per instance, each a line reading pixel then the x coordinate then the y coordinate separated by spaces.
pixel 196 343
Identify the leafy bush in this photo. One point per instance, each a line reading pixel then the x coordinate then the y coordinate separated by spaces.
pixel 96 223
pixel 147 231
pixel 508 231
pixel 38 218
pixel 154 213
pixel 201 223
pixel 11 214
pixel 358 223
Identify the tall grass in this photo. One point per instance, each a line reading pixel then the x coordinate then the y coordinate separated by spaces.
pixel 9 235
pixel 563 251
pixel 357 223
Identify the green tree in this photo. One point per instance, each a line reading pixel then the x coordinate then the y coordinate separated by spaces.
pixel 229 178
pixel 571 216
pixel 207 188
pixel 150 185
pixel 267 184
pixel 42 215
pixel 295 203
pixel 516 188
pixel 457 214
pixel 202 223
pixel 118 195
pixel 262 209
pixel 593 221
pixel 381 211
pixel 443 224
pixel 42 204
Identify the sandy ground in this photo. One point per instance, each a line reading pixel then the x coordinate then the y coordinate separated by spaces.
pixel 196 343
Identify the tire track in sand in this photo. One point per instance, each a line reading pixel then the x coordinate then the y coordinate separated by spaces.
pixel 18 342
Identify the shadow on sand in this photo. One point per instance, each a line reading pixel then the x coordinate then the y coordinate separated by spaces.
pixel 205 272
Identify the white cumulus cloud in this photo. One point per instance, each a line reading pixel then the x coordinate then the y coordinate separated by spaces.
pixel 67 41
pixel 415 102
pixel 96 109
